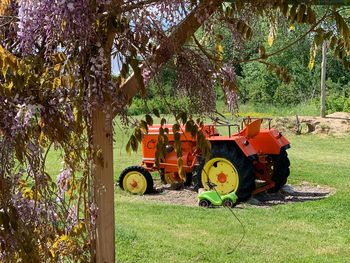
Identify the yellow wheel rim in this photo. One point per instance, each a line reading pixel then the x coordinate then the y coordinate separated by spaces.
pixel 135 183
pixel 221 172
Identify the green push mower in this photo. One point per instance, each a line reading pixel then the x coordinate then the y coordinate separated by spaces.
pixel 213 198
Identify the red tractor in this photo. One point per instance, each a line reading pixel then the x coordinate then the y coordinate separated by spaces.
pixel 247 162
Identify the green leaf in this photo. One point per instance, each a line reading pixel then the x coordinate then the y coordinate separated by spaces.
pixel 138 134
pixel 56 82
pixel 293 13
pixel 149 120
pixel 163 121
pixel 312 57
pixel 10 85
pixel 189 126
pixel 128 147
pixel 57 67
pixel 262 52
pixel 176 128
pixel 272 34
pixel 177 136
pixel 332 42
pixel 156 112
pixel 301 13
pixel 318 39
pixel 133 142
pixel 5 67
pixel 184 117
pixel 138 75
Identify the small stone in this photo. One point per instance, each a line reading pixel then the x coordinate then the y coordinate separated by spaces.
pixel 287 189
pixel 159 189
pixel 201 190
pixel 167 186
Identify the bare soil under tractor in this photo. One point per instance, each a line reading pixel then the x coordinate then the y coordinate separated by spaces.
pixel 288 194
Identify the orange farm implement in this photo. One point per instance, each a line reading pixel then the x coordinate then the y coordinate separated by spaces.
pixel 252 160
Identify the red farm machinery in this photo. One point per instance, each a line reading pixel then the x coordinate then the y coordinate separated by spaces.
pixel 249 161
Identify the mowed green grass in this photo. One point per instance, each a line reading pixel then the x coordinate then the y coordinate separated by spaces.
pixel 313 231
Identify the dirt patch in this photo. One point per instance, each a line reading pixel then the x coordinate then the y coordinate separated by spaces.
pixel 337 124
pixel 289 194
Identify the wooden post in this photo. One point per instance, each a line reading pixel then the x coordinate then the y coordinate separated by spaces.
pixel 323 79
pixel 103 185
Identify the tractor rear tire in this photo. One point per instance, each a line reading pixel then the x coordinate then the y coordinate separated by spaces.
pixel 241 163
pixel 188 181
pixel 142 173
pixel 280 164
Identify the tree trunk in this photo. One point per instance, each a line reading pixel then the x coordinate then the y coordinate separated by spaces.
pixel 323 80
pixel 103 185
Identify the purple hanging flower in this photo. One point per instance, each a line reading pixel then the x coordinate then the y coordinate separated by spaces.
pixel 63 181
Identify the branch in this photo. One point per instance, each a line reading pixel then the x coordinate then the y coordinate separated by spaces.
pixel 206 53
pixel 173 43
pixel 289 45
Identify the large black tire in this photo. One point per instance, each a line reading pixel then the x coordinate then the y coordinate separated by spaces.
pixel 188 181
pixel 280 173
pixel 143 171
pixel 243 166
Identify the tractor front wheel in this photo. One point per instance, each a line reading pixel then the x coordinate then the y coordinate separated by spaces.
pixel 136 180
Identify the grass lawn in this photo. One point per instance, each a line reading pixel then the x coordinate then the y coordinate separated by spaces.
pixel 315 231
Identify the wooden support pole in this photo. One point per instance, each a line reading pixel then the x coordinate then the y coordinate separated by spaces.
pixel 103 180
pixel 323 79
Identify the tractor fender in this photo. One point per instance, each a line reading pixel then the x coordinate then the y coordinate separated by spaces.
pixel 248 150
pixel 239 142
pixel 269 142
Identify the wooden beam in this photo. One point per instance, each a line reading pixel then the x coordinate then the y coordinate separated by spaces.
pixel 102 172
pixel 103 181
pixel 174 42
pixel 313 2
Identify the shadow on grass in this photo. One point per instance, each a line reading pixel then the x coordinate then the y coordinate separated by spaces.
pixel 295 196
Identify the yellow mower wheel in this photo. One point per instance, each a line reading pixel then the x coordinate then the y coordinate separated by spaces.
pixel 136 180
pixel 222 173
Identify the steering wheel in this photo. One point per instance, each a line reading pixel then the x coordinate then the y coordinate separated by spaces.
pixel 219 118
